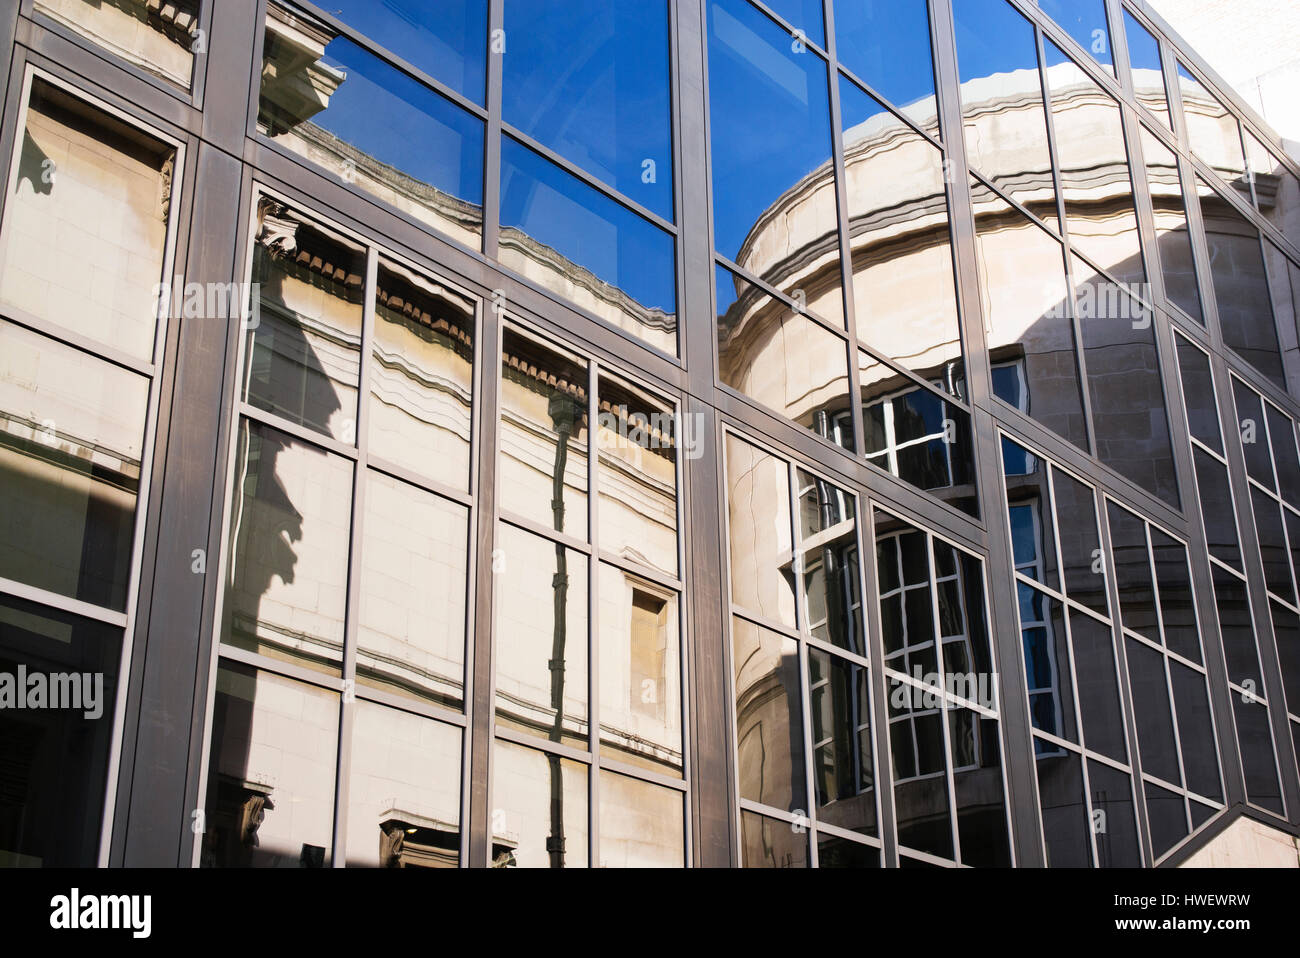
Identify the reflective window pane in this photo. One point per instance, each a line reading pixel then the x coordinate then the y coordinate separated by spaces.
pixel 1177 605
pixel 758 523
pixel 1286 460
pixel 1277 189
pixel 375 127
pixel 1023 285
pixel 769 730
pixel 85 225
pixel 589 79
pixel 303 355
pixel 1066 823
pixel 1196 731
pixel 287 589
pixel 1214 132
pixel 1076 510
pixel 921 801
pixel 270 801
pixel 411 627
pixel 1085 21
pixel 1254 434
pixel 1112 810
pixel 541 637
pixel 421 376
pixel 1236 627
pixel 1047 663
pixel 1198 394
pixel 1272 545
pixel 539 809
pixel 1217 509
pixel 72 431
pixel 805 16
pixel 640 673
pixel 1147 68
pixel 1258 758
pixel 771 843
pixel 570 238
pixel 774 206
pixel 1173 239
pixel 780 358
pixel 843 772
pixel 159 38
pixel 828 545
pixel 1167 814
pixel 905 301
pixel 55 759
pixel 1099 702
pixel 404 791
pixel 543 461
pixel 1286 631
pixel 1002 103
pixel 1155 724
pixel 977 784
pixel 1132 567
pixel 447 40
pixel 641 825
pixel 886 43
pixel 1029 507
pixel 636 478
pixel 836 852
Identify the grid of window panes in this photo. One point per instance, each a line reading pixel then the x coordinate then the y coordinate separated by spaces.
pixel 1076 709
pixel 1268 438
pixel 586 197
pixel 1167 679
pixel 341 682
pixel 588 763
pixel 849 132
pixel 801 675
pixel 81 329
pixel 1237 630
pixel 941 679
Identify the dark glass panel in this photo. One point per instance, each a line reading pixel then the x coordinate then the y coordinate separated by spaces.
pixel 1065 814
pixel 769 731
pixel 540 809
pixel 1125 386
pixel 544 434
pixel 917 435
pixel 1217 509
pixel 72 431
pixel 1148 68
pixel 887 44
pixel 1002 103
pixel 640 665
pixel 921 802
pixel 836 852
pixel 1201 813
pixel 967 657
pixel 905 300
pixel 1081 557
pixel 55 758
pixel 1173 237
pixel 771 843
pixel 1254 435
pixel 758 512
pixel 1114 823
pixel 1198 394
pixel 1272 545
pixel 1092 159
pixel 1213 131
pixel 1132 563
pixel 271 772
pixel 589 79
pixel 777 356
pixel 1286 631
pixel 1155 724
pixel 1177 605
pixel 1025 296
pixel 1240 284
pixel 1099 698
pixel 422 376
pixel 1196 731
pixel 303 357
pixel 286 596
pixel 1237 628
pixel 843 773
pixel 829 549
pixel 1277 190
pixel 1255 739
pixel 977 784
pixel 572 239
pixel 1167 814
pixel 372 125
pixel 774 205
pixel 1281 434
pixel 411 624
pixel 1029 505
pixel 447 40
pixel 541 637
pixel 1047 664
pixel 404 791
pixel 1085 21
pixel 636 476
pixel 641 825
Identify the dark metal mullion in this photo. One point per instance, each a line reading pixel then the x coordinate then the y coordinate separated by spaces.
pixel 869 584
pixel 884 101
pixel 1013 699
pixel 803 666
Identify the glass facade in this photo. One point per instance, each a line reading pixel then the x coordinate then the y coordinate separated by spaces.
pixel 769 433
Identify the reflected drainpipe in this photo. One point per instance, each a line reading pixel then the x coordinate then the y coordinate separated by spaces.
pixel 561 410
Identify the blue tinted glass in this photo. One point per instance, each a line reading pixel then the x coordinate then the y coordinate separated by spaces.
pixel 773 182
pixel 380 129
pixel 1085 20
pixel 805 15
pixel 1148 68
pixel 887 44
pixel 446 39
pixel 574 240
pixel 590 80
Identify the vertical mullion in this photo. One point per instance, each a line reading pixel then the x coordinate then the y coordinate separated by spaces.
pixel 804 664
pixel 593 609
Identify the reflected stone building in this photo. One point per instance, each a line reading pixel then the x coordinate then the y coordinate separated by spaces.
pixel 379 420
